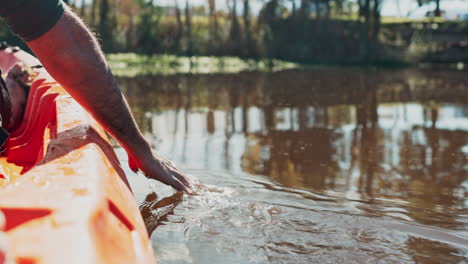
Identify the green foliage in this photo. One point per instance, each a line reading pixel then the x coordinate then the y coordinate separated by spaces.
pixel 312 31
pixel 131 64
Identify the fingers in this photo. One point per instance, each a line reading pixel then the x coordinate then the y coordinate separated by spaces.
pixel 177 184
pixel 172 176
pixel 163 170
pixel 183 179
pixel 170 168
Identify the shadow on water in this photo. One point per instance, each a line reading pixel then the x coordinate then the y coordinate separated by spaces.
pixel 325 165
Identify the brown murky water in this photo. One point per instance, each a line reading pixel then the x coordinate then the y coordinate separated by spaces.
pixel 309 166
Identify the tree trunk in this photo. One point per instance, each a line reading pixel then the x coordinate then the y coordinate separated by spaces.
pixel 248 52
pixel 188 27
pixel 82 9
pixel 180 27
pixel 327 9
pixel 317 9
pixel 94 8
pixel 105 25
pixel 293 8
pixel 437 11
pixel 375 30
pixel 214 38
pixel 235 41
pixel 129 35
pixel 304 9
pixel 365 26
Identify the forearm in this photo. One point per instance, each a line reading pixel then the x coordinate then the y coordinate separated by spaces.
pixel 71 54
pixel 73 57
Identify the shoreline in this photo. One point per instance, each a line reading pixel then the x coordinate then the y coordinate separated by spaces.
pixel 133 64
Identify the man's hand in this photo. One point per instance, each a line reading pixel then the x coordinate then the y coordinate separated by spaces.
pixel 158 168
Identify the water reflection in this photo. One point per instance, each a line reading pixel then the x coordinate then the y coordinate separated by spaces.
pixel 394 140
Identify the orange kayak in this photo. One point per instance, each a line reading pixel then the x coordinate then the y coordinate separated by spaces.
pixel 63 195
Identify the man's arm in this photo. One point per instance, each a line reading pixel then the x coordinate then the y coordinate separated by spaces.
pixel 71 54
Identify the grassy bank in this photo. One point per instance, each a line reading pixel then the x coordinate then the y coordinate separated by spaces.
pixel 131 64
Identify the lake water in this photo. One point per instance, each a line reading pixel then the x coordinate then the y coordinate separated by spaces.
pixel 308 166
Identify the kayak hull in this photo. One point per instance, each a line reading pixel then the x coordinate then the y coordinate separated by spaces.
pixel 63 193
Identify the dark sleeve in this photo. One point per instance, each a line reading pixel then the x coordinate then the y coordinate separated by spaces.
pixel 30 19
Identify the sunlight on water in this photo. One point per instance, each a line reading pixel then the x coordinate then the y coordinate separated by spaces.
pixel 308 166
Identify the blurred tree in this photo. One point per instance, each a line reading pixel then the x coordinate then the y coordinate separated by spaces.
pixel 214 38
pixel 266 22
pixel 188 30
pixel 180 28
pixel 105 26
pixel 317 9
pixel 82 8
pixel 437 11
pixel 369 13
pixel 249 45
pixel 319 31
pixel 125 24
pixel 235 39
pixel 94 10
pixel 147 42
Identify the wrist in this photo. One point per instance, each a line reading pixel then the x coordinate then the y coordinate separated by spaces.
pixel 138 147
